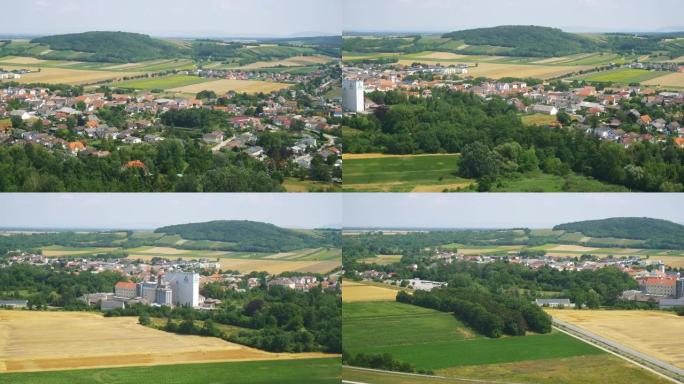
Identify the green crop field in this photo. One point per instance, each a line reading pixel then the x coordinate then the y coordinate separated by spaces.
pixel 166 82
pixel 434 340
pixel 419 173
pixel 322 371
pixel 544 182
pixel 623 76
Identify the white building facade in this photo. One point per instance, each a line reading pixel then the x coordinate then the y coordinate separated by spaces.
pixel 352 95
pixel 184 287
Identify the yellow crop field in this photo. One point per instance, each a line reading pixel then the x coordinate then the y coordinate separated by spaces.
pixel 497 71
pixel 239 86
pixel 382 259
pixel 442 56
pixel 295 61
pixel 572 248
pixel 21 60
pixel 653 333
pixel 353 291
pixel 675 79
pixel 33 341
pixel 60 251
pixel 70 76
pixel 164 251
pixel 671 261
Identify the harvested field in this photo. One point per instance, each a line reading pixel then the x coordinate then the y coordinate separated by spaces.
pixel 572 248
pixel 497 71
pixel 642 331
pixel 164 251
pixel 239 86
pixel 22 60
pixel 382 259
pixel 671 261
pixel 442 56
pixel 57 251
pixel 295 61
pixel 34 341
pixel 671 80
pixel 353 291
pixel 277 266
pixel 70 76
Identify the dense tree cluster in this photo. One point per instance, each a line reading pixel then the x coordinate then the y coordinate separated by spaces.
pixel 384 361
pixel 55 287
pixel 252 236
pixel 495 143
pixel 275 319
pixel 170 165
pixel 656 233
pixel 490 314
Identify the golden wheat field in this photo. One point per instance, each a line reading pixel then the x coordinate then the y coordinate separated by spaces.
pixel 671 80
pixel 654 333
pixel 353 291
pixel 572 248
pixel 32 341
pixel 70 76
pixel 295 61
pixel 66 252
pixel 239 86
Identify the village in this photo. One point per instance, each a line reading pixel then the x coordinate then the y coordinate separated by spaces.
pixel 657 285
pixel 610 112
pixel 164 282
pixel 96 122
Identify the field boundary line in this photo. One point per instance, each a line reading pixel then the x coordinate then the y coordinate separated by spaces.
pixel 590 339
pixel 425 376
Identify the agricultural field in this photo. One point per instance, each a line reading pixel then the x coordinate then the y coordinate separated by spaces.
pixel 451 344
pixel 382 259
pixel 672 80
pixel 353 292
pixel 402 173
pixel 71 76
pixel 292 184
pixel 315 371
pixel 59 251
pixel 623 76
pixel 73 340
pixel 295 61
pixel 315 260
pixel 538 119
pixel 239 86
pixel 165 82
pixel 437 341
pixel 543 182
pixel 621 326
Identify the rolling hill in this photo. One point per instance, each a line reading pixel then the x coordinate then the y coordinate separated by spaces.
pixel 248 235
pixel 656 233
pixel 526 40
pixel 112 46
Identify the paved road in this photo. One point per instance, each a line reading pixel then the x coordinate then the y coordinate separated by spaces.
pixel 672 372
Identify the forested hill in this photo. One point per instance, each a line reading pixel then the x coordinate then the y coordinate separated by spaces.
pixel 526 40
pixel 655 232
pixel 112 46
pixel 250 235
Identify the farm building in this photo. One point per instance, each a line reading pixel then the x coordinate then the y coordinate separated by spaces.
pixel 554 303
pixel 425 285
pixel 13 303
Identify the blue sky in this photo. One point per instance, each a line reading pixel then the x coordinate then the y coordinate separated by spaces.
pixel 569 15
pixel 503 210
pixel 176 18
pixel 152 210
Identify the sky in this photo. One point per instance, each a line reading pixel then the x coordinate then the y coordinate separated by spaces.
pixel 153 210
pixel 569 15
pixel 173 18
pixel 502 210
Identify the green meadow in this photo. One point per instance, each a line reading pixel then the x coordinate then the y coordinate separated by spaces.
pixel 623 76
pixel 433 340
pixel 315 371
pixel 424 173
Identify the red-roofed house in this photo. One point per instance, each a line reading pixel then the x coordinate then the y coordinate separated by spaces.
pixel 126 289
